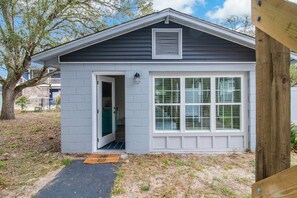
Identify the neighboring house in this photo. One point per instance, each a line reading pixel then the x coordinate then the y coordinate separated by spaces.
pixel 166 82
pixel 45 94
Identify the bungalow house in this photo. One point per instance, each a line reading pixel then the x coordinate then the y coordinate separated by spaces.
pixel 166 82
pixel 45 94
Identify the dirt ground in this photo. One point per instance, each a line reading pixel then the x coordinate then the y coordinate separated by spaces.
pixel 29 150
pixel 187 175
pixel 30 157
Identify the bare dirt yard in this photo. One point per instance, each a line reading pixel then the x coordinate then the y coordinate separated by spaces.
pixel 29 149
pixel 187 175
pixel 30 157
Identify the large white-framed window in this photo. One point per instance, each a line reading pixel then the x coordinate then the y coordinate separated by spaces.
pixel 166 43
pixel 167 104
pixel 228 103
pixel 198 103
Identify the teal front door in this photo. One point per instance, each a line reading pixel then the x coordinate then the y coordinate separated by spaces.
pixel 106 110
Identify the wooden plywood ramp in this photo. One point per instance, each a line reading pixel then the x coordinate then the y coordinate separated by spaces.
pixel 282 184
pixel 102 158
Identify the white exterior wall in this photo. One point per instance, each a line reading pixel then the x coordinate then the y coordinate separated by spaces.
pixel 252 110
pixel 76 107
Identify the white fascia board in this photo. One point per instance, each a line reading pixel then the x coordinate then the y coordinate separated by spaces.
pixel 212 29
pixel 101 36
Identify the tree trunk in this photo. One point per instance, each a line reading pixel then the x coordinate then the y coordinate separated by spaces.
pixel 8 97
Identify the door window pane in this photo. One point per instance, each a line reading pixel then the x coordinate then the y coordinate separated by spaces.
pixel 106 108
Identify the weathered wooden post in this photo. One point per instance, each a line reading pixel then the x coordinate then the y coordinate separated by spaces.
pixel 272 106
pixel 276 28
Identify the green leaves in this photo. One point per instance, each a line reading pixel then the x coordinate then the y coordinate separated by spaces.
pixel 293 75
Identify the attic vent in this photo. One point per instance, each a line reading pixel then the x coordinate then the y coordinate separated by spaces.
pixel 167 43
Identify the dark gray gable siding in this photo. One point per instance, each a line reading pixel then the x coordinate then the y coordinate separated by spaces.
pixel 137 46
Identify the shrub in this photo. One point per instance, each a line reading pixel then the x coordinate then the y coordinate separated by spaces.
pixel 293 136
pixel 145 187
pixel 22 101
pixel 58 102
pixel 66 161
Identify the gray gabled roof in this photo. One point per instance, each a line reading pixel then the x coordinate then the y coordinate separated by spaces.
pixel 173 15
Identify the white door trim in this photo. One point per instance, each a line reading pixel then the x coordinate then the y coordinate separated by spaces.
pixel 94 108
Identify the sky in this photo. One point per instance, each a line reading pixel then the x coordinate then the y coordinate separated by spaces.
pixel 211 10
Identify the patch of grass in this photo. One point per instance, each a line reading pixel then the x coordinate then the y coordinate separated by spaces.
pixel 13 145
pixel 165 161
pixel 31 155
pixel 66 161
pixel 221 189
pixel 196 166
pixel 253 163
pixel 118 188
pixel 180 163
pixel 228 167
pixel 242 180
pixel 36 130
pixel 2 181
pixel 56 119
pixel 226 191
pixel 3 165
pixel 216 179
pixel 9 133
pixel 120 174
pixel 145 188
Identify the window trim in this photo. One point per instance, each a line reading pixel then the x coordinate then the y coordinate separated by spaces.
pixel 179 55
pixel 243 104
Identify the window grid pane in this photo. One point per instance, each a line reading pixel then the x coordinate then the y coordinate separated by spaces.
pixel 167 107
pixel 197 117
pixel 228 90
pixel 167 117
pixel 228 103
pixel 167 90
pixel 228 117
pixel 197 90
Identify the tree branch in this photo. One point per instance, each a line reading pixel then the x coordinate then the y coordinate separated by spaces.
pixel 42 76
pixel 2 80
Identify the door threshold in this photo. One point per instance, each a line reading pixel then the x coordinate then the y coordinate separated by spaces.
pixel 120 151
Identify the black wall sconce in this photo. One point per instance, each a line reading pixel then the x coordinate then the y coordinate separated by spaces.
pixel 137 78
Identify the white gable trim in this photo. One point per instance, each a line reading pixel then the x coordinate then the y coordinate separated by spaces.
pixel 133 25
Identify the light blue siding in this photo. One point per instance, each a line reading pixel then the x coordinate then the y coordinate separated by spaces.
pixel 76 107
